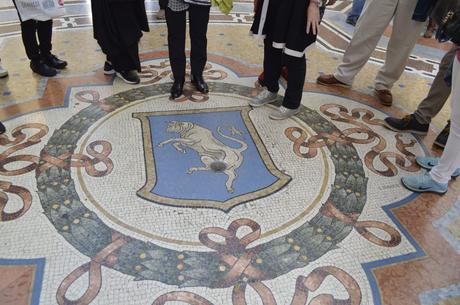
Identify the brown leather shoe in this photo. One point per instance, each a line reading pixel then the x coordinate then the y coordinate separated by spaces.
pixel 330 80
pixel 385 97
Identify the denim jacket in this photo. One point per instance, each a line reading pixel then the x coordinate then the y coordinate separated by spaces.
pixel 422 10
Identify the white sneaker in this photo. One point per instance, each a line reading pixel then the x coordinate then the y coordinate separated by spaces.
pixel 283 113
pixel 161 14
pixel 264 97
pixel 3 72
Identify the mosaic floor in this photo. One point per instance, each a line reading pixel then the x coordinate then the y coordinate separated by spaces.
pixel 103 202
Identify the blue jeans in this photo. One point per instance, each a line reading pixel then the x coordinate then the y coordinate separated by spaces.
pixel 356 9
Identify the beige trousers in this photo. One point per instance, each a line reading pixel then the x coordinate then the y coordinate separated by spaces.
pixel 375 18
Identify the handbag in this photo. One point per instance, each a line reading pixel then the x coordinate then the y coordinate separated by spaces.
pixel 41 10
pixel 446 13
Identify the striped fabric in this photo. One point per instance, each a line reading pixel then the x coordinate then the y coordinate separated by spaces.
pixel 177 5
pixel 199 2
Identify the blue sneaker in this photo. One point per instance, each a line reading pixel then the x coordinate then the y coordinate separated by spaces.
pixel 429 162
pixel 423 183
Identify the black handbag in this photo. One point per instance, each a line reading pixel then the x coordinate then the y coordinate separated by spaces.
pixel 446 14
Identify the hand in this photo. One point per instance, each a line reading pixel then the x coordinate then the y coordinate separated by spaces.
pixel 256 5
pixel 331 2
pixel 61 2
pixel 313 18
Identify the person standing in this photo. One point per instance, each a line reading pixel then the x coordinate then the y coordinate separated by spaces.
pixel 42 61
pixel 355 12
pixel 419 121
pixel 448 166
pixel 198 11
pixel 118 27
pixel 372 24
pixel 288 28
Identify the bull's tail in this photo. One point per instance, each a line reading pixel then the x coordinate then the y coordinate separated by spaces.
pixel 243 144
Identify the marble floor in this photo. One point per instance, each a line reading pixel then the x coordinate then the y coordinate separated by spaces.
pixel 100 204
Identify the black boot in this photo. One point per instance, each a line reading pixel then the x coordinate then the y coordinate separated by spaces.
pixel 41 68
pixel 200 84
pixel 54 62
pixel 177 89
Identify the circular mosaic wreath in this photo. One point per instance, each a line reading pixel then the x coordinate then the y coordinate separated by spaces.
pixel 147 261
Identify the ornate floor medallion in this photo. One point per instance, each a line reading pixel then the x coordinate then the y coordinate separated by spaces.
pixel 205 200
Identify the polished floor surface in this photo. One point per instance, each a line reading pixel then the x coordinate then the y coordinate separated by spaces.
pixel 114 194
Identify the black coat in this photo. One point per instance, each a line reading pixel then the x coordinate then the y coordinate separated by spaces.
pixel 118 24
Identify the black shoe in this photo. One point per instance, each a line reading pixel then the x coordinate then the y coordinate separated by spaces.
pixel 352 20
pixel 200 84
pixel 41 68
pixel 129 77
pixel 54 62
pixel 177 89
pixel 2 128
pixel 407 124
pixel 108 69
pixel 441 139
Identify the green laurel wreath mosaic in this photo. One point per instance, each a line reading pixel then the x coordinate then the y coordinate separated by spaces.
pixel 147 261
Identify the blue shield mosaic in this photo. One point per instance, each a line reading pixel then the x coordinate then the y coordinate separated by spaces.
pixel 201 158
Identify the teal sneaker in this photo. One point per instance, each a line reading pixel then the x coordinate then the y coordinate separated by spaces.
pixel 424 183
pixel 429 162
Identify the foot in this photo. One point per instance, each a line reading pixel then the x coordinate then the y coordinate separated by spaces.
pixel 108 68
pixel 2 128
pixel 330 80
pixel 161 14
pixel 177 89
pixel 429 162
pixel 424 183
pixel 129 77
pixel 283 113
pixel 3 72
pixel 441 139
pixel 352 20
pixel 200 84
pixel 407 124
pixel 428 34
pixel 41 68
pixel 54 62
pixel 385 97
pixel 264 97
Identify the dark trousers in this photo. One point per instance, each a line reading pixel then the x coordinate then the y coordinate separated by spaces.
pixel 198 21
pixel 30 29
pixel 126 59
pixel 163 4
pixel 274 60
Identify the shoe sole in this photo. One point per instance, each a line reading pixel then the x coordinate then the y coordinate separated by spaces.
pixel 127 81
pixel 260 105
pixel 284 118
pixel 4 75
pixel 43 74
pixel 333 85
pixel 413 189
pixel 440 145
pixel 421 133
pixel 111 72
